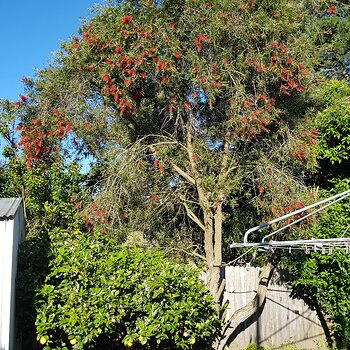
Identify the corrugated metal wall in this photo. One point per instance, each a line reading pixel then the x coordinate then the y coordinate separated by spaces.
pixel 282 320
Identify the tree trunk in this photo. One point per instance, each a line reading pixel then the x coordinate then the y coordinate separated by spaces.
pixel 241 315
pixel 326 325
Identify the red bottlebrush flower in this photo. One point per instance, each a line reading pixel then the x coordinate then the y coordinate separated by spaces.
pixel 332 10
pixel 36 122
pixel 19 127
pixel 276 14
pixel 153 197
pixel 88 68
pixel 17 103
pixel 87 126
pixel 186 106
pixel 282 47
pixel 299 205
pixel 126 19
pixel 231 100
pixel 106 78
pixel 250 4
pixel 56 112
pixel 198 44
pixel 23 98
pixel 127 82
pixel 171 25
pixel 86 35
pixel 272 45
pixel 155 163
pixel 289 60
pixel 161 169
pixel 217 84
pixel 68 127
pixel 261 189
pixel 264 121
pixel 118 50
pixel 51 133
pixel 77 206
pixel 177 54
pixel 109 62
pixel 76 46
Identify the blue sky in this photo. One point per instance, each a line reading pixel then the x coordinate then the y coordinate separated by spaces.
pixel 30 31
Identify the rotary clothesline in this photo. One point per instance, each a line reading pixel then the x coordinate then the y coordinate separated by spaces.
pixel 315 244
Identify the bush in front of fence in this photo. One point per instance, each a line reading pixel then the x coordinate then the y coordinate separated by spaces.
pixel 100 295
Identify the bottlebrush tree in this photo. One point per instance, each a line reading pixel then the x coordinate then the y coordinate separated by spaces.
pixel 195 107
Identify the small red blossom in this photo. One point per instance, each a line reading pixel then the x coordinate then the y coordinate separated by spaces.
pixel 23 98
pixel 177 54
pixel 56 112
pixel 17 103
pixel 171 26
pixel 153 197
pixel 118 50
pixel 87 126
pixel 332 10
pixel 126 19
pixel 36 122
pixel 186 106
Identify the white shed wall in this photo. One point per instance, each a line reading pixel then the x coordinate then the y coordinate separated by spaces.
pixel 11 234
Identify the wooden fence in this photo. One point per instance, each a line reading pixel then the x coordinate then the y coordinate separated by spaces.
pixel 283 320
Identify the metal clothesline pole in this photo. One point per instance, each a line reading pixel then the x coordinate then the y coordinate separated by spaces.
pixel 286 216
pixel 304 217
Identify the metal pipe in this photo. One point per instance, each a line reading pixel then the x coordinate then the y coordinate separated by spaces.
pixel 286 216
pixel 304 217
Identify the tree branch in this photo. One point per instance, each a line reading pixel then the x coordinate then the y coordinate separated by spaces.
pixel 191 214
pixel 242 314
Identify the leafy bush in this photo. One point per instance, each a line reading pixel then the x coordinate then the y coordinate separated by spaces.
pixel 326 278
pixel 99 295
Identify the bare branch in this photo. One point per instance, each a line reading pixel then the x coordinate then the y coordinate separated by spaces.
pixel 192 215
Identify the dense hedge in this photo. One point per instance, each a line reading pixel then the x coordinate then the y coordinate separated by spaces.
pixel 99 295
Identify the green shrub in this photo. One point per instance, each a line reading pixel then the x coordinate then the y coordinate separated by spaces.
pixel 101 295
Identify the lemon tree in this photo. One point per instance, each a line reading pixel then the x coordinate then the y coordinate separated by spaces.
pixel 99 295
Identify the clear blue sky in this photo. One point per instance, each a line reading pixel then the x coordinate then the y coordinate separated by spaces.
pixel 30 31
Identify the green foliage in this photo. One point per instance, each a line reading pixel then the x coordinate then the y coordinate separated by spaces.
pixel 325 278
pixel 333 123
pixel 254 347
pixel 104 296
pixel 333 38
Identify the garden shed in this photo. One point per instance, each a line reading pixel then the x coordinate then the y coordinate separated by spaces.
pixel 11 235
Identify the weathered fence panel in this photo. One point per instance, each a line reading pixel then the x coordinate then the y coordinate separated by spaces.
pixel 282 319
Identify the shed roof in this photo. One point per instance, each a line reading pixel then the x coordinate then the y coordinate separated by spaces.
pixel 8 207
